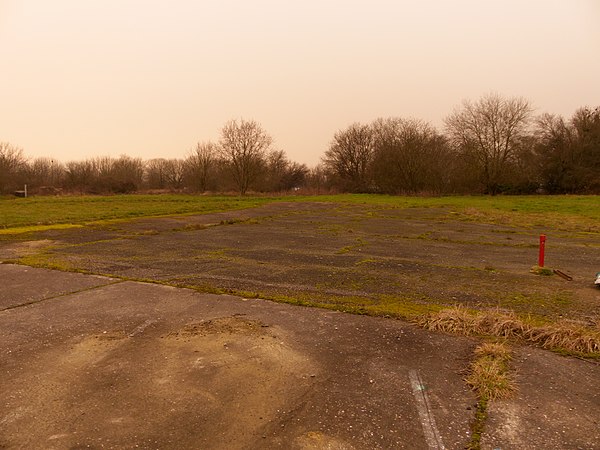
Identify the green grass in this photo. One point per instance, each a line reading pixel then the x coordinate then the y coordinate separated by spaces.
pixel 573 213
pixel 583 205
pixel 478 425
pixel 39 213
pixel 47 261
pixel 568 212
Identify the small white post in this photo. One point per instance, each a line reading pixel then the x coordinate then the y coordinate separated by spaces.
pixel 25 191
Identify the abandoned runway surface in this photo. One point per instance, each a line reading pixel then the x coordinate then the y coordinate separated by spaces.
pixel 94 362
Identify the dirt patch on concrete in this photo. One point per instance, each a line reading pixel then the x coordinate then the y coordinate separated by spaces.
pixel 203 377
pixel 24 248
pixel 222 325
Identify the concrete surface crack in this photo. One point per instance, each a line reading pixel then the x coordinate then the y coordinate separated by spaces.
pixel 65 294
pixel 432 435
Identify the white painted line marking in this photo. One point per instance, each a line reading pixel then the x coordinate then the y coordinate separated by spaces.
pixel 432 435
pixel 141 327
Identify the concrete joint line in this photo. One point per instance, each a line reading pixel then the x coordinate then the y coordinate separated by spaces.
pixel 66 294
pixel 432 435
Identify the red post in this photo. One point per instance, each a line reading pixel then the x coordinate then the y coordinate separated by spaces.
pixel 542 248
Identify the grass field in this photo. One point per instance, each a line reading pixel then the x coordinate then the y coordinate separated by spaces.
pixel 574 213
pixel 48 212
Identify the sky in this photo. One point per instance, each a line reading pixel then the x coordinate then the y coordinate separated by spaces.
pixel 150 78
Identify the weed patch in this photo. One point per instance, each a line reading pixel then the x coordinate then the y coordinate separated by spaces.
pixel 545 271
pixel 366 261
pixel 478 425
pixel 46 261
pixel 489 372
pixel 489 376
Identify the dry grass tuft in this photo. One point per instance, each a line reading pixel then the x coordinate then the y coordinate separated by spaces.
pixel 494 350
pixel 504 325
pixel 454 320
pixel 489 375
pixel 568 337
pixel 559 336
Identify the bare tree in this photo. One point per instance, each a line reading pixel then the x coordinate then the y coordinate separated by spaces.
pixel 586 122
pixel 199 165
pixel 350 155
pixel 488 131
pixel 276 166
pixel 244 146
pixel 316 179
pixel 569 152
pixel 410 156
pixel 12 165
pixel 557 153
pixel 281 174
pixel 105 174
pixel 174 173
pixel 295 177
pixel 126 174
pixel 79 175
pixel 46 172
pixel 155 173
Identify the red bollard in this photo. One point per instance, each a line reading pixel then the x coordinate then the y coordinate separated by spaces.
pixel 542 248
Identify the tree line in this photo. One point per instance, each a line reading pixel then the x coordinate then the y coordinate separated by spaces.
pixel 493 145
pixel 243 159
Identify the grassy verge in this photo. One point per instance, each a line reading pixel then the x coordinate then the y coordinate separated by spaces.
pixel 398 307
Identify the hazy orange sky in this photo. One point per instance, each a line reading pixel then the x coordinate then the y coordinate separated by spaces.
pixel 148 78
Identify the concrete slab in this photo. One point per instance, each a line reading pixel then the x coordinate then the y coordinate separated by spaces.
pixel 137 365
pixel 557 405
pixel 21 285
pixel 96 363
